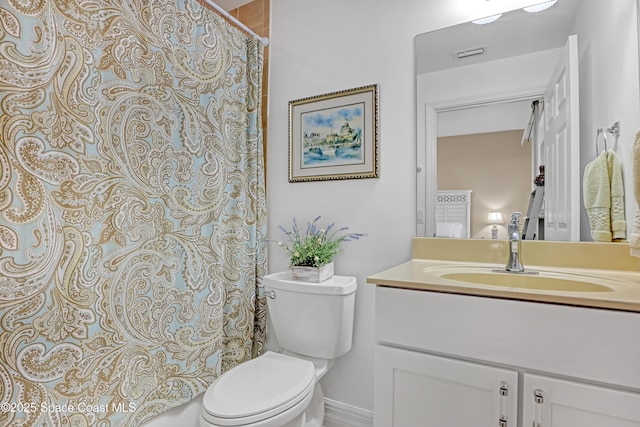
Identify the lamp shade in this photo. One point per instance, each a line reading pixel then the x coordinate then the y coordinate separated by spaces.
pixel 495 218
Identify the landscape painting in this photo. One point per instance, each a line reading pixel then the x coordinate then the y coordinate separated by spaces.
pixel 334 136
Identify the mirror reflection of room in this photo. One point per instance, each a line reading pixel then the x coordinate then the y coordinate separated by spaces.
pixel 506 65
pixel 487 144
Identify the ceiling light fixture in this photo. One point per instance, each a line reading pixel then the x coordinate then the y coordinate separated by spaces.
pixel 540 7
pixel 487 20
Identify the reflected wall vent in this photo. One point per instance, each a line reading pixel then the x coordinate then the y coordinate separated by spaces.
pixel 467 53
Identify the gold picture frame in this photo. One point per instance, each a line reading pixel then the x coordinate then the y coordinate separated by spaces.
pixel 334 136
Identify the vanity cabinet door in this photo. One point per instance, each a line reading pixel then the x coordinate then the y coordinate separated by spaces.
pixel 417 389
pixel 550 402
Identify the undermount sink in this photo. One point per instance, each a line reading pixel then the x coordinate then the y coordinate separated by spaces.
pixel 531 280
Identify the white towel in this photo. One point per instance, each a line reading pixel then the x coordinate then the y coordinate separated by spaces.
pixel 618 217
pixel 597 198
pixel 635 234
pixel 604 198
pixel 449 229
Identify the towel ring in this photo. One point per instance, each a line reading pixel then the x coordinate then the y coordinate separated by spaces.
pixel 615 131
pixel 604 134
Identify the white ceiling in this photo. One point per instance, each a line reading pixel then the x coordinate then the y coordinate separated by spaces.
pixel 516 32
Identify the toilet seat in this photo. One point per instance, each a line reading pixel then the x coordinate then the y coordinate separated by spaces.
pixel 258 389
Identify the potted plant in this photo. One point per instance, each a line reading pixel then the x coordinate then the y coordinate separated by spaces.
pixel 311 253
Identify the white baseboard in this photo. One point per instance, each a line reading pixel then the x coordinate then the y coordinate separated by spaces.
pixel 338 414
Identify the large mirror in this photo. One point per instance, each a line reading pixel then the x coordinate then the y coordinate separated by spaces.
pixel 496 101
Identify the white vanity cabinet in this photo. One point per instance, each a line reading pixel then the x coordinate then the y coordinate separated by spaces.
pixel 462 361
pixel 552 402
pixel 418 389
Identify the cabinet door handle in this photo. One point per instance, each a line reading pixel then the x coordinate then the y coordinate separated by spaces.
pixel 538 398
pixel 504 391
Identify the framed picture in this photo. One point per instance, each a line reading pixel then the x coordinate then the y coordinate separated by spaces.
pixel 334 136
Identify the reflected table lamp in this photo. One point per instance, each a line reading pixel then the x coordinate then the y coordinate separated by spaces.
pixel 495 218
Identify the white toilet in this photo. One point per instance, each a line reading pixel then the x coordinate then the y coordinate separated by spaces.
pixel 313 323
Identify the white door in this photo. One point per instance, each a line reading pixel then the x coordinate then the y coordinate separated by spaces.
pixel 416 389
pixel 550 402
pixel 561 148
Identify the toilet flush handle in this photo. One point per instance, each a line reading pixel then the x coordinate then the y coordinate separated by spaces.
pixel 270 294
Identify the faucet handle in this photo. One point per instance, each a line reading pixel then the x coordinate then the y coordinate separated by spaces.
pixel 515 217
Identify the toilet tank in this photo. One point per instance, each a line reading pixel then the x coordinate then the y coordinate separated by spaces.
pixel 312 319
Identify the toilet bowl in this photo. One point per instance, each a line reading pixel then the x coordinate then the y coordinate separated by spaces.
pixel 313 322
pixel 272 390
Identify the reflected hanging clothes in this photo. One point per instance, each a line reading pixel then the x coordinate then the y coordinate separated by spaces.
pixel 603 191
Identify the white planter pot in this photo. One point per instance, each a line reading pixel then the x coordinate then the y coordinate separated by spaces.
pixel 312 274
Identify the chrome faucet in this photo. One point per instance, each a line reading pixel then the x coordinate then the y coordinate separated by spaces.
pixel 513 230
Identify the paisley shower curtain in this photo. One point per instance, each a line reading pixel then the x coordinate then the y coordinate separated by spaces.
pixel 132 208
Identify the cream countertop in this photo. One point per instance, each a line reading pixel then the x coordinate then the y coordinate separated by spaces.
pixel 604 263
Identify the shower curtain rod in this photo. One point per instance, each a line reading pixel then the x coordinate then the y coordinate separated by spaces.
pixel 227 15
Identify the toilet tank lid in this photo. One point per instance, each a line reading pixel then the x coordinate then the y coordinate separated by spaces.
pixel 337 285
